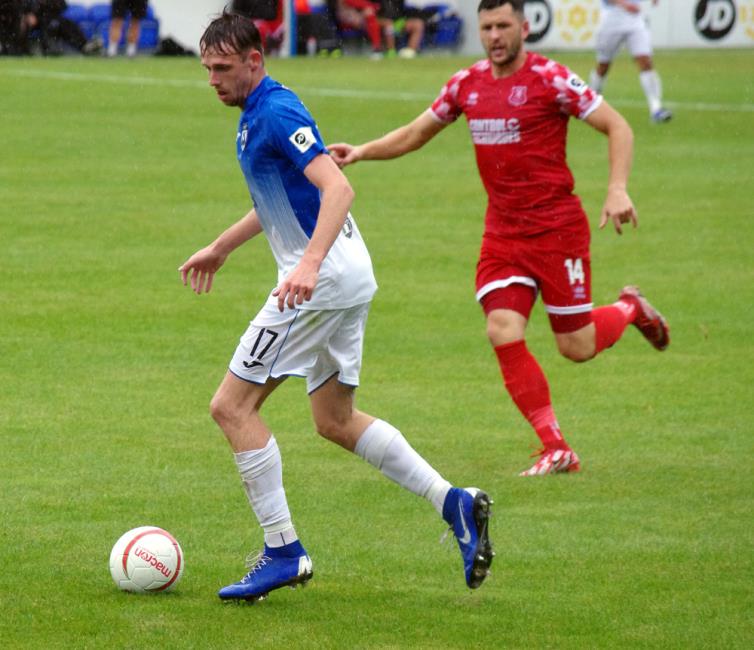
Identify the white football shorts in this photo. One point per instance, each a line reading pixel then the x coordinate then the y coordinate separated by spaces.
pixel 302 343
pixel 636 37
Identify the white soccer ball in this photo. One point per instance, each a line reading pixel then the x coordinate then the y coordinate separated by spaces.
pixel 146 559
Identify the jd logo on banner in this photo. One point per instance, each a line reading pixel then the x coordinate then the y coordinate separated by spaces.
pixel 715 18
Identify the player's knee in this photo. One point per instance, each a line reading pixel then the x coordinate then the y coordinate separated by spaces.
pixel 574 350
pixel 217 408
pixel 331 427
pixel 222 410
pixel 576 356
pixel 502 330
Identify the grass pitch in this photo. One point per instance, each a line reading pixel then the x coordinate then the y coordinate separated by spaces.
pixel 113 172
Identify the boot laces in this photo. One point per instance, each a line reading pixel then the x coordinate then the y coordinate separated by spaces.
pixel 255 563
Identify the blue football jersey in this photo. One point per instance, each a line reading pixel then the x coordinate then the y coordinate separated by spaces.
pixel 277 138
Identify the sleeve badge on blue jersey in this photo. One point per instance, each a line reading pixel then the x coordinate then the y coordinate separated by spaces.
pixel 303 139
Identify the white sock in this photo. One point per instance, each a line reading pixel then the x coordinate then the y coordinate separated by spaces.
pixel 596 81
pixel 650 82
pixel 112 48
pixel 384 447
pixel 131 49
pixel 262 475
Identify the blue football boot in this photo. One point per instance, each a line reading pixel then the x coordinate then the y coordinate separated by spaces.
pixel 273 568
pixel 662 115
pixel 468 511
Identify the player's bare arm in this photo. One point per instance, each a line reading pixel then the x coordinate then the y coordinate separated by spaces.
pixel 203 264
pixel 403 140
pixel 336 198
pixel 618 206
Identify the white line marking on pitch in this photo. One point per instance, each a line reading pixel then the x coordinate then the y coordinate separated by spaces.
pixel 322 92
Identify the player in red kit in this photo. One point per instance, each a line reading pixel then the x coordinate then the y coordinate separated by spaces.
pixel 536 239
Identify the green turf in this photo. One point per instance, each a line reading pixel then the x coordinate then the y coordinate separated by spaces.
pixel 108 365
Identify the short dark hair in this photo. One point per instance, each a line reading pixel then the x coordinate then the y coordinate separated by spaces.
pixel 231 33
pixel 516 5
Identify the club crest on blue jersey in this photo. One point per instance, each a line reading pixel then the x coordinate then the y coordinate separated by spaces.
pixel 517 96
pixel 243 136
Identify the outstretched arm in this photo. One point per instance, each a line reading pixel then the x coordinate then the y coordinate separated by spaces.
pixel 336 196
pixel 403 140
pixel 205 262
pixel 618 207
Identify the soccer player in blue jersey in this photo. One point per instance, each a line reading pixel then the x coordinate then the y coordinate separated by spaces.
pixel 313 323
pixel 621 22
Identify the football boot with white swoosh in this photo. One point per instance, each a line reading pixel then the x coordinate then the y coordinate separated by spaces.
pixel 467 510
pixel 273 568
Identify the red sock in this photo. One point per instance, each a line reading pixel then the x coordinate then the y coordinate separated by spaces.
pixel 529 390
pixel 610 322
pixel 372 28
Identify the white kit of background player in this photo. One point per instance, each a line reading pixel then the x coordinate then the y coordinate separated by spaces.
pixel 623 23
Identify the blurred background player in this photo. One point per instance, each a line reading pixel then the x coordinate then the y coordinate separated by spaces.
pixel 120 9
pixel 362 14
pixel 536 239
pixel 268 19
pixel 12 28
pixel 395 16
pixel 621 22
pixel 312 325
pixel 45 19
pixel 315 29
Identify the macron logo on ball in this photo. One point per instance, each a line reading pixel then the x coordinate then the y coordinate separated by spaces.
pixel 303 138
pixel 147 556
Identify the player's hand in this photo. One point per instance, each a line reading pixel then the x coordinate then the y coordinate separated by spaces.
pixel 343 154
pixel 630 7
pixel 619 209
pixel 298 285
pixel 202 266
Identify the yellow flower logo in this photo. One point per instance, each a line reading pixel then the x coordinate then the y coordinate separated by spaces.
pixel 577 20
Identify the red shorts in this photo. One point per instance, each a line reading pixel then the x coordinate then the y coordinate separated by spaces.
pixel 557 264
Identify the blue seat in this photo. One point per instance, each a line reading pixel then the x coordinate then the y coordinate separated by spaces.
pixel 76 13
pixel 99 13
pixel 449 32
pixel 79 14
pixel 149 36
pixel 87 27
pixel 440 7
